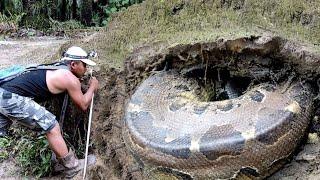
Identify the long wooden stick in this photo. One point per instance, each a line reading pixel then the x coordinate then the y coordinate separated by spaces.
pixel 88 136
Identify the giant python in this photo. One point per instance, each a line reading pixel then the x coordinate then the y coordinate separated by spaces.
pixel 168 126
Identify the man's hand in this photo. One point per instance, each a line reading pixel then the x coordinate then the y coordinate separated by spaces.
pixel 94 83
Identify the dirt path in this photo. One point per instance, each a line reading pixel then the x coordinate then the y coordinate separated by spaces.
pixel 28 51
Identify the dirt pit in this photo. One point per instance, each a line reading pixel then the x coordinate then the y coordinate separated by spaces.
pixel 115 161
pixel 286 57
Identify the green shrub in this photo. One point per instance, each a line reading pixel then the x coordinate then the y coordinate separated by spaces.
pixel 4 143
pixel 116 6
pixel 63 26
pixel 31 152
pixel 34 156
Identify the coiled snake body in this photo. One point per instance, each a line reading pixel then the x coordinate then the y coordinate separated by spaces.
pixel 167 126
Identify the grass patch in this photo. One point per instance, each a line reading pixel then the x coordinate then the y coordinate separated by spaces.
pixel 34 156
pixel 188 21
pixel 8 23
pixel 4 143
pixel 64 26
pixel 31 152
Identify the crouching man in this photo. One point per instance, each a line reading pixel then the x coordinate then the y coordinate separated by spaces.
pixel 19 97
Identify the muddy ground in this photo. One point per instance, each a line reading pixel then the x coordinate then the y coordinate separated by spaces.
pixel 114 161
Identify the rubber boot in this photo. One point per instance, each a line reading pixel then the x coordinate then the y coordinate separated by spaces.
pixel 70 165
pixel 57 167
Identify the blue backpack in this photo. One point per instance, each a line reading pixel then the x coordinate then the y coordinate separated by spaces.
pixel 10 73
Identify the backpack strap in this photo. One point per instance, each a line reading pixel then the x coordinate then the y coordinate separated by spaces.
pixel 10 73
pixel 51 66
pixel 33 67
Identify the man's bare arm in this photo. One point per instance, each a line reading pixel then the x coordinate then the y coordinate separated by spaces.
pixel 80 99
pixel 63 80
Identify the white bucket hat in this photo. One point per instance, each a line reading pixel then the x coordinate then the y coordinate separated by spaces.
pixel 75 53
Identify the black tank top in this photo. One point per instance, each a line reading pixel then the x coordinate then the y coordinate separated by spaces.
pixel 31 84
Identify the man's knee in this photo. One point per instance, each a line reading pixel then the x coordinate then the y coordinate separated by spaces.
pixel 54 130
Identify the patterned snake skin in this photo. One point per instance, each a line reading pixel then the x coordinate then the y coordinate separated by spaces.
pixel 168 126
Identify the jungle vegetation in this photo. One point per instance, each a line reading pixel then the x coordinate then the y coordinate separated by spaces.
pixel 45 14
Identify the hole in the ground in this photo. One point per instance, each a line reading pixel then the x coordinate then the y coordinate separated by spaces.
pixel 222 70
pixel 218 83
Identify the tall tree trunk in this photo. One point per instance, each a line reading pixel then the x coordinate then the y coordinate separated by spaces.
pixel 2 6
pixel 25 5
pixel 86 12
pixel 74 9
pixel 64 10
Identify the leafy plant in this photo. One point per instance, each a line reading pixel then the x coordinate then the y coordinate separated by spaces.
pixel 116 6
pixel 63 26
pixel 39 14
pixel 9 7
pixel 4 143
pixel 34 156
pixel 12 20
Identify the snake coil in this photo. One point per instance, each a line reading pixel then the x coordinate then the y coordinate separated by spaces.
pixel 168 126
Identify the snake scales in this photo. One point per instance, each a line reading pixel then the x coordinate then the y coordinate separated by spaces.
pixel 168 126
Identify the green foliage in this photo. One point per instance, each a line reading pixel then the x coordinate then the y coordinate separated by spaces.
pixel 4 143
pixel 38 14
pixel 12 20
pixel 34 156
pixel 37 22
pixel 30 151
pixel 11 7
pixel 116 6
pixel 64 26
